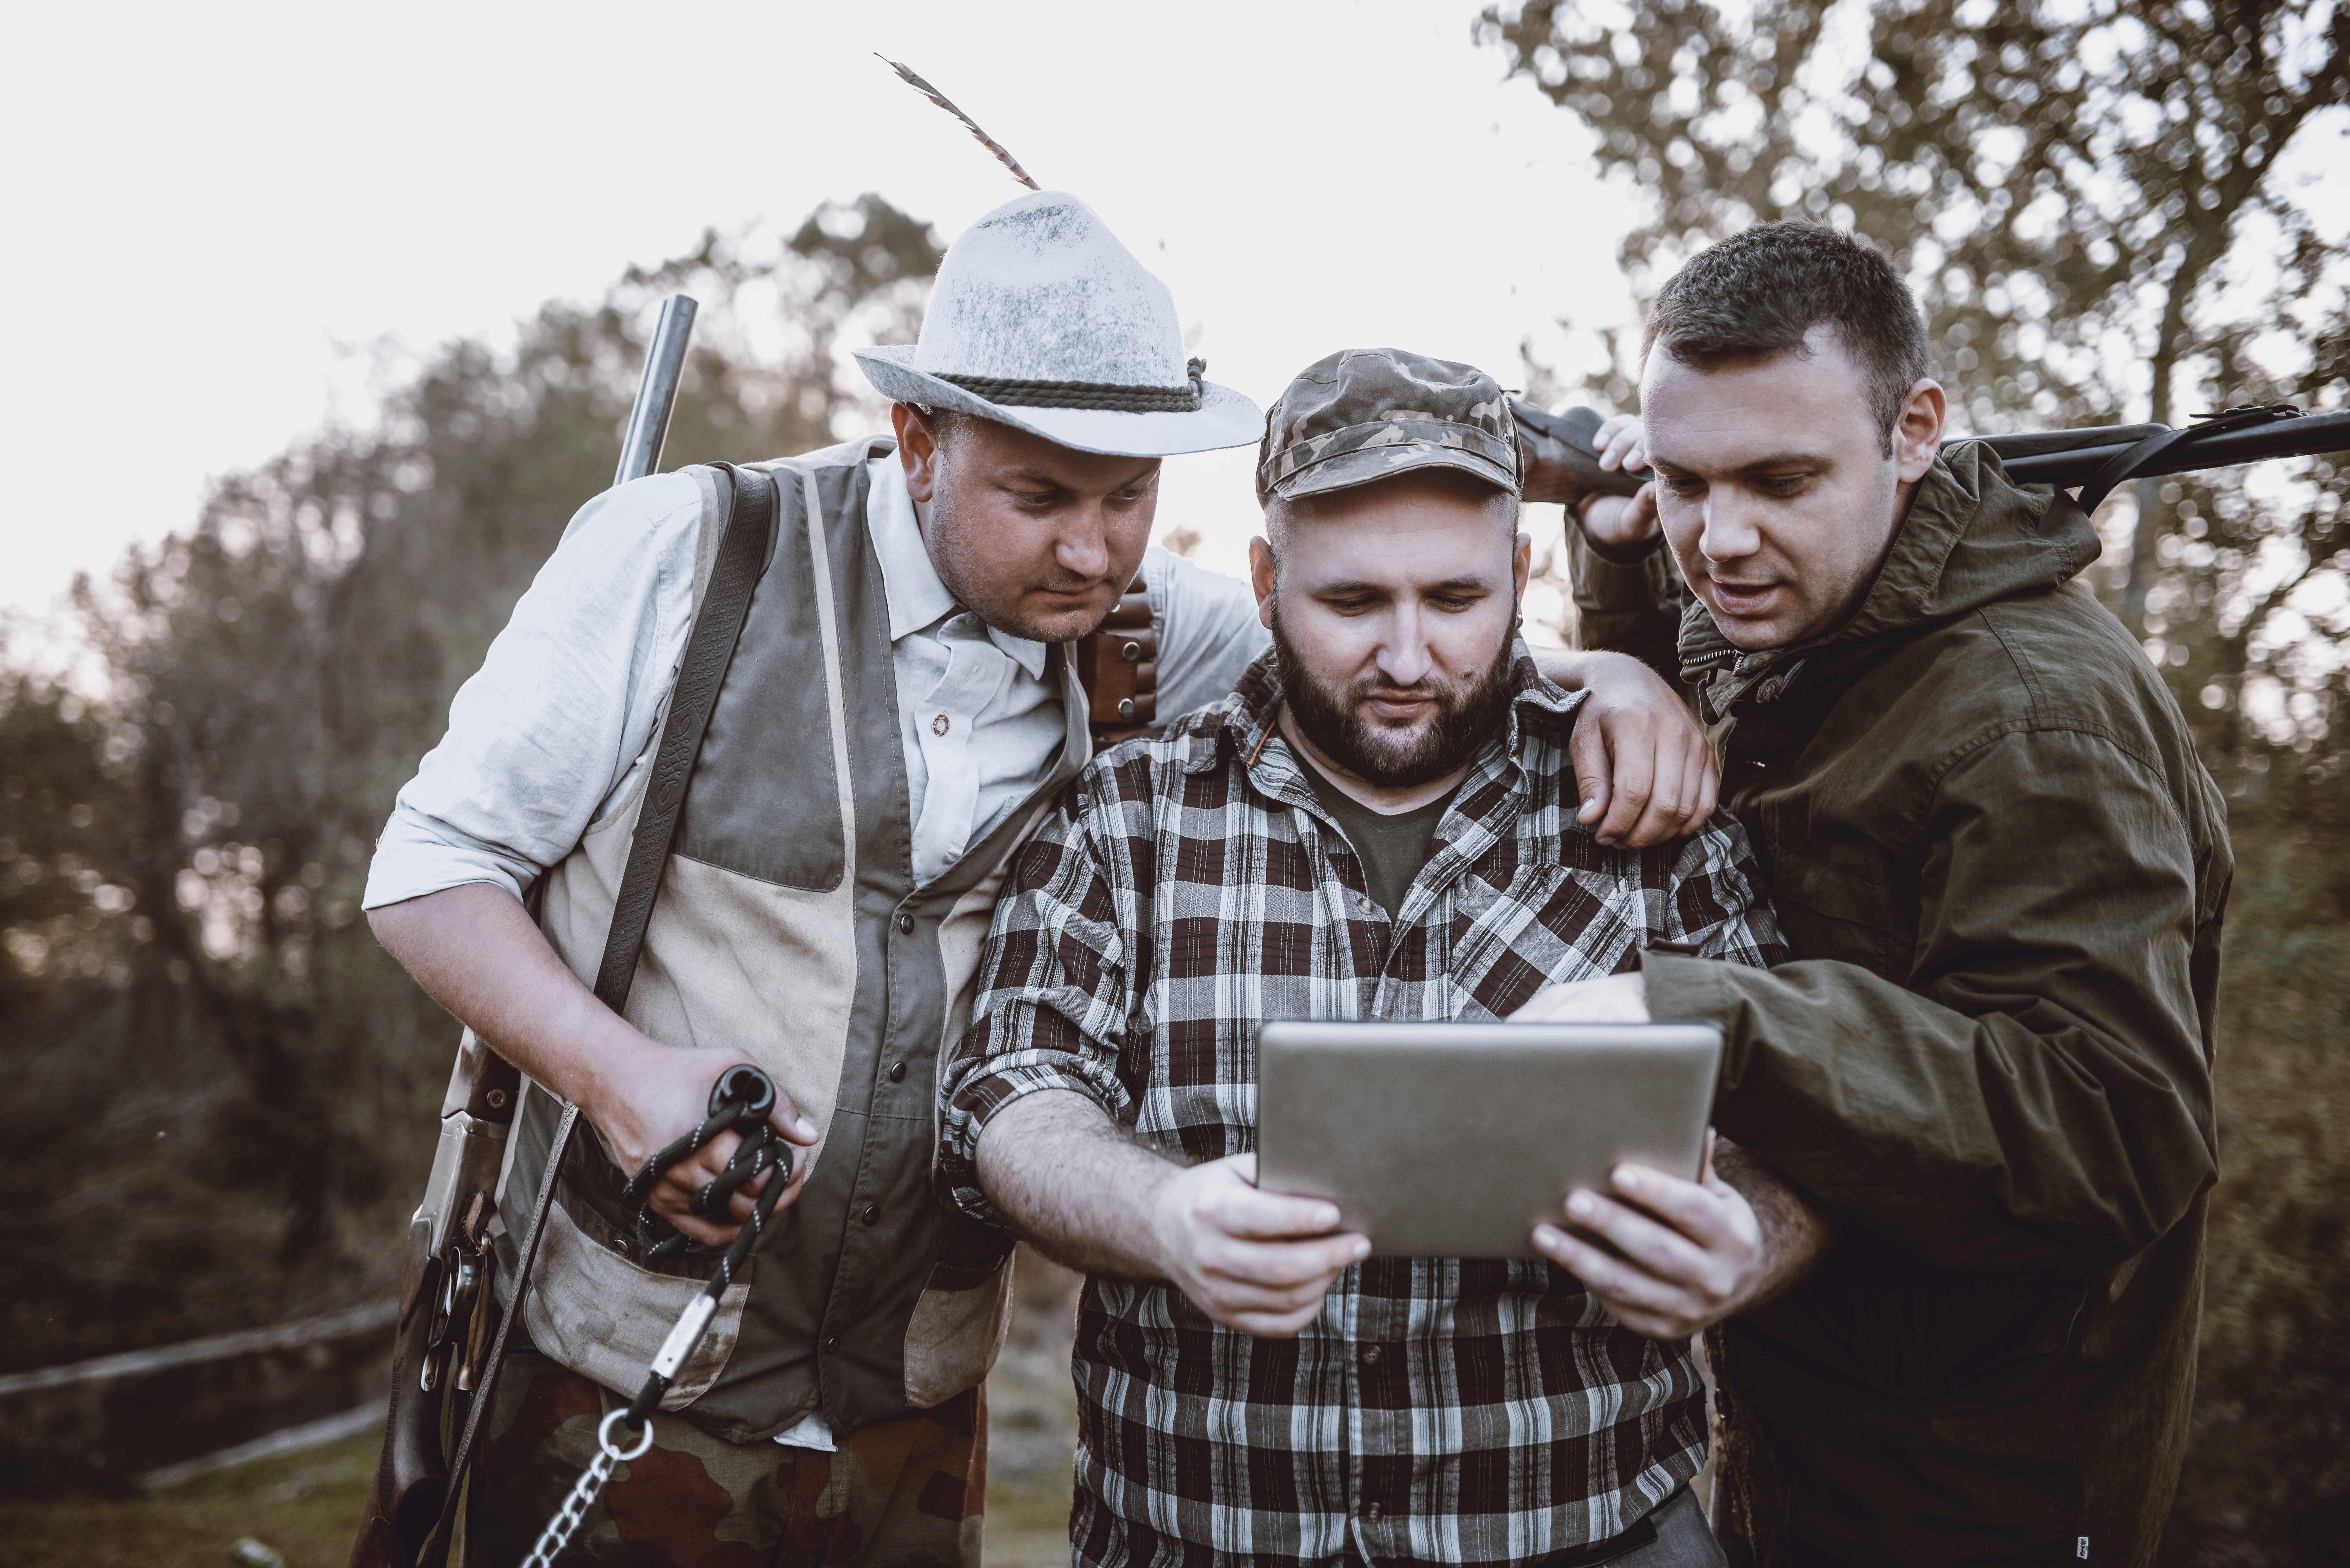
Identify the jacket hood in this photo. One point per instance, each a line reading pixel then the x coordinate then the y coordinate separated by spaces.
pixel 1970 538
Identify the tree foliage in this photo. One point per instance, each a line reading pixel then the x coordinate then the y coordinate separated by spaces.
pixel 219 1091
pixel 2091 201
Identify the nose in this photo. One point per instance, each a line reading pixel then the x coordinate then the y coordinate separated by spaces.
pixel 1082 547
pixel 1404 658
pixel 1729 532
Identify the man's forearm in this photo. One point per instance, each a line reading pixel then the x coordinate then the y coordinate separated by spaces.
pixel 1795 1234
pixel 479 955
pixel 476 951
pixel 1072 1185
pixel 1629 602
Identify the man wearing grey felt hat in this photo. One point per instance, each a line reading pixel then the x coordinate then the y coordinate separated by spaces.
pixel 901 710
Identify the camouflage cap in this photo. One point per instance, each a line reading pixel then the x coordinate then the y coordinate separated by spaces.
pixel 1365 414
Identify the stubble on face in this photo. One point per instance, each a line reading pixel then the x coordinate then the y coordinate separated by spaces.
pixel 1773 488
pixel 1002 561
pixel 1048 604
pixel 1331 715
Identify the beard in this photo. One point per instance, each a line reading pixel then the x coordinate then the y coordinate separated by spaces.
pixel 1394 757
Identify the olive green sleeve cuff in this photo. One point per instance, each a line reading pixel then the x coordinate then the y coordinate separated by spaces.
pixel 1616 580
pixel 1686 990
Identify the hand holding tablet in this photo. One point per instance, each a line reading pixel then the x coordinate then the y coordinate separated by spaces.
pixel 1583 1143
pixel 1455 1140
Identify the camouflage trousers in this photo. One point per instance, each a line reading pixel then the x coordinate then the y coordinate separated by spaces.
pixel 903 1491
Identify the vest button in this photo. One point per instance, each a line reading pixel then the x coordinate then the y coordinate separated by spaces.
pixel 832 1346
pixel 905 924
pixel 897 1071
pixel 872 1214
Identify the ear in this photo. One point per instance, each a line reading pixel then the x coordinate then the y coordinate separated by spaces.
pixel 918 450
pixel 1260 579
pixel 1918 434
pixel 1521 566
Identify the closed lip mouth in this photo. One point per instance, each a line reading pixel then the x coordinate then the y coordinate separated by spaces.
pixel 1742 587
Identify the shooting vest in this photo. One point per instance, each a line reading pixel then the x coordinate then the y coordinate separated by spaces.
pixel 788 927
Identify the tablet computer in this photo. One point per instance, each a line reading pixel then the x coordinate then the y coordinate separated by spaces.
pixel 1450 1140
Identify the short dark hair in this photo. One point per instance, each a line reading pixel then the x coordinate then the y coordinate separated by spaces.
pixel 942 420
pixel 1757 294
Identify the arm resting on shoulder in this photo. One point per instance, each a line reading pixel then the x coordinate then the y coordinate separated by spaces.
pixel 1644 770
pixel 1643 767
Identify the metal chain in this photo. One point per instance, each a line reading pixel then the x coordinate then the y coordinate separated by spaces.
pixel 568 1518
pixel 741 1100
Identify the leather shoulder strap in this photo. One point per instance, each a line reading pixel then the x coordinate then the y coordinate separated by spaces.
pixel 708 648
pixel 1119 666
pixel 708 652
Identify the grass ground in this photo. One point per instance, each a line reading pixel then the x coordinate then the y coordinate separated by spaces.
pixel 305 1507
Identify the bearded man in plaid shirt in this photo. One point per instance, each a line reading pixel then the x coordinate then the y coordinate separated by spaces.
pixel 1379 823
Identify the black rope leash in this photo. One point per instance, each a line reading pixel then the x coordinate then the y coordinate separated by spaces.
pixel 740 1102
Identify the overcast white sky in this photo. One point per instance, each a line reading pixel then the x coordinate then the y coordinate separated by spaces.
pixel 215 210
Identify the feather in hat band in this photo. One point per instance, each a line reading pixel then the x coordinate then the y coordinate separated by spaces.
pixel 1013 394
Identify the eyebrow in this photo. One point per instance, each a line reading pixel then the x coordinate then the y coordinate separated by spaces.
pixel 1760 464
pixel 1453 585
pixel 1029 476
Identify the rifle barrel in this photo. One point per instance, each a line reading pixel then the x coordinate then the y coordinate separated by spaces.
pixel 2065 458
pixel 2309 435
pixel 648 431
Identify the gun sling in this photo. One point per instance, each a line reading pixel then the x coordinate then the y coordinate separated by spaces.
pixel 709 648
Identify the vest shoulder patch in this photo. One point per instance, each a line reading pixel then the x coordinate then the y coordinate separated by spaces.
pixel 766 797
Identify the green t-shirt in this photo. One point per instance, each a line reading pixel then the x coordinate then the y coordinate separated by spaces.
pixel 1391 849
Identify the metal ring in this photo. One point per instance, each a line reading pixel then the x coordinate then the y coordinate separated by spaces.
pixel 604 1436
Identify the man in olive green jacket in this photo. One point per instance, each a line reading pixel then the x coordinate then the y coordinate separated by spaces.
pixel 2001 869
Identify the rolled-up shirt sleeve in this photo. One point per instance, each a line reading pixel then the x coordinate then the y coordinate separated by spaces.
pixel 1053 1001
pixel 563 707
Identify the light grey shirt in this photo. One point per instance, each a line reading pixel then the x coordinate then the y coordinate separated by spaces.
pixel 547 731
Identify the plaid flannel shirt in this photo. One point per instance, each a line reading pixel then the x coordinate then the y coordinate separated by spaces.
pixel 1185 889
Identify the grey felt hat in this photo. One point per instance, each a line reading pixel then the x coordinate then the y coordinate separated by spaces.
pixel 1040 319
